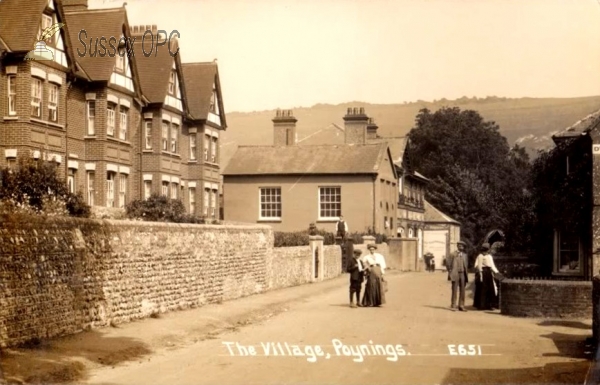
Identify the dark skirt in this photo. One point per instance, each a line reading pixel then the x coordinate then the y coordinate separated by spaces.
pixel 485 297
pixel 374 293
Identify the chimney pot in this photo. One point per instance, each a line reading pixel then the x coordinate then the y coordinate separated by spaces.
pixel 349 111
pixel 362 110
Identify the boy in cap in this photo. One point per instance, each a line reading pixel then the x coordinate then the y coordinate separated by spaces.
pixel 355 268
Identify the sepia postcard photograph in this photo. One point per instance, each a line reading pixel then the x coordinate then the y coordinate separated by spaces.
pixel 302 192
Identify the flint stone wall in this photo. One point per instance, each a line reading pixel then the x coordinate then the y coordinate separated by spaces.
pixel 62 275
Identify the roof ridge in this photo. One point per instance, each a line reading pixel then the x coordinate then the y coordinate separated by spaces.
pixel 446 217
pixel 199 63
pixel 94 11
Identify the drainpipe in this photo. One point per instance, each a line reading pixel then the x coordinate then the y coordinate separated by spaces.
pixel 66 160
pixel 374 203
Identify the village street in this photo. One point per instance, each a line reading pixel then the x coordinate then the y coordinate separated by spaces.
pixel 175 349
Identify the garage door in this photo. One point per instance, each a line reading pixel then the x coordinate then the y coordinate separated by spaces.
pixel 435 242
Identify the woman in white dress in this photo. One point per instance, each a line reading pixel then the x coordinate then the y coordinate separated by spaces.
pixel 486 290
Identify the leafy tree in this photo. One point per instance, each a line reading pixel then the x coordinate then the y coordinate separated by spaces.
pixel 476 177
pixel 34 185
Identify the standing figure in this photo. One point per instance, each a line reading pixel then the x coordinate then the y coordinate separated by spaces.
pixel 342 228
pixel 457 273
pixel 356 270
pixel 486 290
pixel 374 288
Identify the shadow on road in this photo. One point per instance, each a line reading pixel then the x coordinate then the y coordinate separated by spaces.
pixel 60 361
pixel 569 324
pixel 439 307
pixel 555 373
pixel 569 345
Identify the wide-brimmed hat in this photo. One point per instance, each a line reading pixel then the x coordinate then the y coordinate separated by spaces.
pixel 461 243
pixel 371 246
pixel 485 246
pixel 357 252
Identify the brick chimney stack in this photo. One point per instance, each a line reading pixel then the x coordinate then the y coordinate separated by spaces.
pixel 139 30
pixel 74 5
pixel 284 128
pixel 372 129
pixel 355 126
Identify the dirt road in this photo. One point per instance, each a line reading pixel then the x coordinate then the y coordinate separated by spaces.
pixel 416 316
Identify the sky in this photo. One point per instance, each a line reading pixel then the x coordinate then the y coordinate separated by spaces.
pixel 291 53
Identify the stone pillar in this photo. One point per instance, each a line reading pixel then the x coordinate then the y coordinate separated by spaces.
pixel 596 308
pixel 368 239
pixel 316 248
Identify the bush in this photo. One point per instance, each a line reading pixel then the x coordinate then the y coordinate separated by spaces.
pixel 287 239
pixel 357 237
pixel 301 238
pixel 34 187
pixel 518 269
pixel 159 208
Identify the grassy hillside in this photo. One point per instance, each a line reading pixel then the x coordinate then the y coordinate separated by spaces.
pixel 527 121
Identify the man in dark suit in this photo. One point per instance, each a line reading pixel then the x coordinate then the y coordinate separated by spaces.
pixel 342 228
pixel 457 264
pixel 355 269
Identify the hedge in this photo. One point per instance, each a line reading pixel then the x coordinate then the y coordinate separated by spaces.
pixel 301 238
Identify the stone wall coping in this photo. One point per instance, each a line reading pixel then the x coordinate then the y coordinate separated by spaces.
pixel 546 282
pixel 122 223
pixel 316 237
pixel 305 247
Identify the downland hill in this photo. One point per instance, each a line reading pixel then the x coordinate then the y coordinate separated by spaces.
pixel 530 122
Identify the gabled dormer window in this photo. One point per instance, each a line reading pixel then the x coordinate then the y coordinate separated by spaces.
pixel 47 22
pixel 172 83
pixel 213 102
pixel 120 65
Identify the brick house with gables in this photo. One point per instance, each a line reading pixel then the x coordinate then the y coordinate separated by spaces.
pixel 34 93
pixel 121 127
pixel 203 90
pixel 105 105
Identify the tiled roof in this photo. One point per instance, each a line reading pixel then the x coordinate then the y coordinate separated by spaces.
pixel 20 23
pixel 96 23
pixel 397 146
pixel 434 215
pixel 334 134
pixel 289 160
pixel 154 70
pixel 583 125
pixel 331 134
pixel 199 79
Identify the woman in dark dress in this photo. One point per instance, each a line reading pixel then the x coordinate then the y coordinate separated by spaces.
pixel 486 291
pixel 374 294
